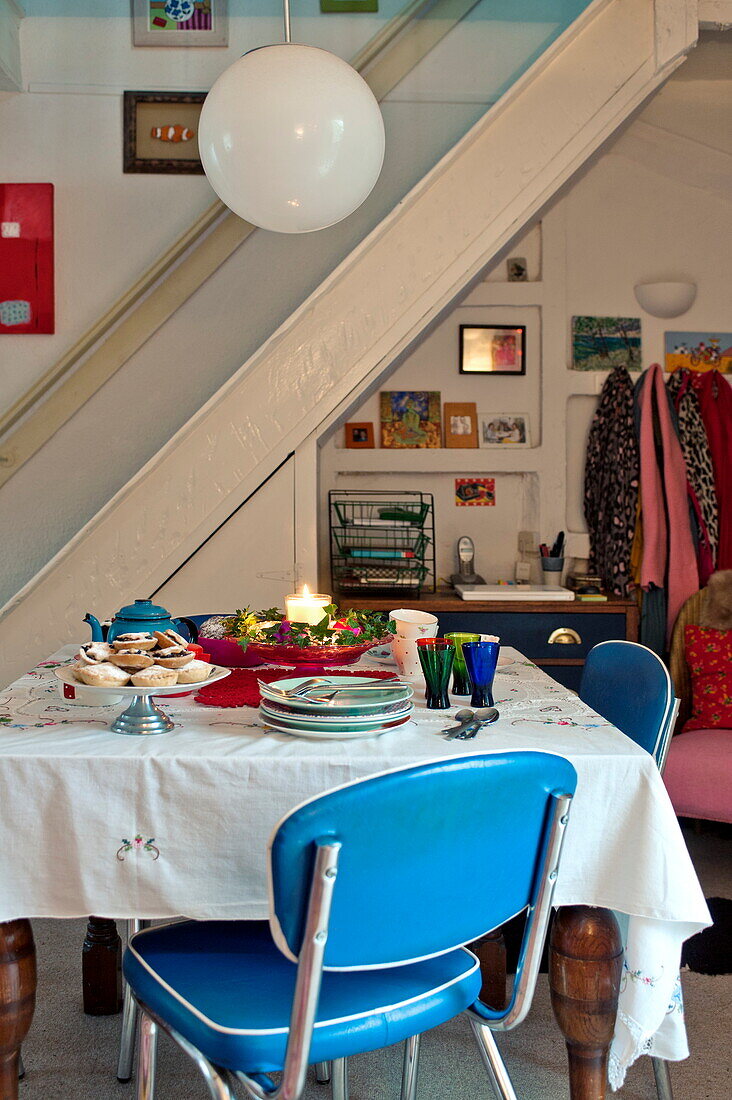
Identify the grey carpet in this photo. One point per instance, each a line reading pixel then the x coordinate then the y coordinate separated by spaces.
pixel 70 1056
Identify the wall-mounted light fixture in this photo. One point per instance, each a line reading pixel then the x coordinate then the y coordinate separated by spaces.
pixel 665 299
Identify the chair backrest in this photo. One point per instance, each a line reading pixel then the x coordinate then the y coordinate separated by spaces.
pixel 432 856
pixel 630 686
pixel 690 613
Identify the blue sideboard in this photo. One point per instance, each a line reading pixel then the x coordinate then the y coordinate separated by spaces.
pixel 557 636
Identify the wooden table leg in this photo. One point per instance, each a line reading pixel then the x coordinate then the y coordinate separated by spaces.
pixel 491 950
pixel 17 998
pixel 585 966
pixel 101 968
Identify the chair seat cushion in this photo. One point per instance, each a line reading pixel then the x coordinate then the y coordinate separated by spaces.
pixel 698 774
pixel 226 988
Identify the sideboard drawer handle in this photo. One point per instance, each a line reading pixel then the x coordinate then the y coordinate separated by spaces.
pixel 564 635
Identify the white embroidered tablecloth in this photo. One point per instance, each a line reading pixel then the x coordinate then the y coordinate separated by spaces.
pixel 177 824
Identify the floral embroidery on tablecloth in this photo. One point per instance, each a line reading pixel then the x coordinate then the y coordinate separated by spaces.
pixel 676 1003
pixel 636 976
pixel 138 844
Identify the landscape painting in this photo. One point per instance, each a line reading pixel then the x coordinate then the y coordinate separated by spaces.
pixel 410 418
pixel 699 351
pixel 601 343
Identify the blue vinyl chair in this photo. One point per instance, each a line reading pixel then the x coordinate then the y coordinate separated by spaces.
pixel 374 889
pixel 630 686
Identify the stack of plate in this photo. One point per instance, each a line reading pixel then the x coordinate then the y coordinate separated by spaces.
pixel 360 709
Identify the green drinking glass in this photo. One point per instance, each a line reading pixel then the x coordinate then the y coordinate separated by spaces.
pixel 436 656
pixel 461 683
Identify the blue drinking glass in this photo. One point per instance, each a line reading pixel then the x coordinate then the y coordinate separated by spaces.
pixel 481 659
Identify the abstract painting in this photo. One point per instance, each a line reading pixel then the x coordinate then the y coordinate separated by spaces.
pixel 699 351
pixel 472 492
pixel 601 343
pixel 410 418
pixel 179 23
pixel 26 258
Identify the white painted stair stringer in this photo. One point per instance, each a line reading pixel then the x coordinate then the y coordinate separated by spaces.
pixel 414 264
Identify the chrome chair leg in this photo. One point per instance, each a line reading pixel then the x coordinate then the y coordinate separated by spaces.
pixel 411 1068
pixel 663 1079
pixel 21 1067
pixel 339 1078
pixel 147 1059
pixel 322 1072
pixel 497 1072
pixel 129 1017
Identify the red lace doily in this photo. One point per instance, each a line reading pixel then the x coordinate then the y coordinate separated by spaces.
pixel 240 689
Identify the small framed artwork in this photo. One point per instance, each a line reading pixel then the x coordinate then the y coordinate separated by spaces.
pixel 410 418
pixel 699 351
pixel 493 349
pixel 359 434
pixel 503 430
pixel 161 132
pixel 601 343
pixel 475 492
pixel 461 424
pixel 518 271
pixel 180 23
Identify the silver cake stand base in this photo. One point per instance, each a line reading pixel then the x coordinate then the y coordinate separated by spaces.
pixel 143 716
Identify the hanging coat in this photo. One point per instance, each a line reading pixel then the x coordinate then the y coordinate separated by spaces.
pixel 669 553
pixel 611 483
pixel 715 401
pixel 699 470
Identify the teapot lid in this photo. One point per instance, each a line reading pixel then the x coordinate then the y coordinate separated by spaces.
pixel 142 609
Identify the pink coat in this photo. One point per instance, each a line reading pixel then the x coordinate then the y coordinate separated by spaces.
pixel 669 555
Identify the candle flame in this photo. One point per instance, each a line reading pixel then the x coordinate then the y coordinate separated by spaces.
pixel 305 590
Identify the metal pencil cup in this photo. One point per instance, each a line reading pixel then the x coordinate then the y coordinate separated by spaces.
pixel 461 684
pixel 436 656
pixel 481 659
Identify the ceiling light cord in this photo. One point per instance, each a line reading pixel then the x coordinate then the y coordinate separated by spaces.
pixel 286 13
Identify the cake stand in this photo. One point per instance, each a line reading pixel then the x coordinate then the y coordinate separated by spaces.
pixel 143 715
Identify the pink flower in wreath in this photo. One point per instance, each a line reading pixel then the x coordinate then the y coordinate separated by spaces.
pixel 138 842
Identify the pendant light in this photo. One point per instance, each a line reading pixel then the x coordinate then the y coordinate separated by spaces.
pixel 291 137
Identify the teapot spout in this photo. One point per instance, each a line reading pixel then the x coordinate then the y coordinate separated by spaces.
pixel 96 627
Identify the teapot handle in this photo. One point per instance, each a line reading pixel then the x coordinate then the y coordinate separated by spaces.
pixel 190 626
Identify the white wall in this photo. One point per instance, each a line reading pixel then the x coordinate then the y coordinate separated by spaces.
pixel 654 206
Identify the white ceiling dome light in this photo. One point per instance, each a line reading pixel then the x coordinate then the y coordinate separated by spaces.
pixel 291 137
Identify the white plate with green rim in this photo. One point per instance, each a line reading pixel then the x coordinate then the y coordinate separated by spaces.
pixel 336 721
pixel 331 733
pixel 345 702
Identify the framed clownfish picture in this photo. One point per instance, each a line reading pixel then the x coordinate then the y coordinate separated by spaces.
pixel 161 132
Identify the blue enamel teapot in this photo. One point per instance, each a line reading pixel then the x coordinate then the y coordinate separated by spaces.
pixel 140 616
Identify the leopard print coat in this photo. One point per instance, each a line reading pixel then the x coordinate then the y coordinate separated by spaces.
pixel 612 472
pixel 695 448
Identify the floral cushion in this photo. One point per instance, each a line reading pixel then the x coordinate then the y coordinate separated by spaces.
pixel 709 657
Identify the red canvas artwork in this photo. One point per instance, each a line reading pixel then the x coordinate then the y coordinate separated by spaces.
pixel 26 258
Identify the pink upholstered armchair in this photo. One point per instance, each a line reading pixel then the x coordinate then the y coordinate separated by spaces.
pixel 698 774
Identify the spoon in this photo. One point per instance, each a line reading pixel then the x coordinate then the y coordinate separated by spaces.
pixel 470 722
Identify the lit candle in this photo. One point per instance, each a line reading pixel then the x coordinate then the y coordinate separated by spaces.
pixel 306 607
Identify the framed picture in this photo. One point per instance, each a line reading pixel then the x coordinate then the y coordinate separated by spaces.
pixel 348 5
pixel 503 430
pixel 493 349
pixel 475 492
pixel 180 23
pixel 410 418
pixel 161 132
pixel 461 424
pixel 359 434
pixel 26 258
pixel 699 351
pixel 601 343
pixel 518 271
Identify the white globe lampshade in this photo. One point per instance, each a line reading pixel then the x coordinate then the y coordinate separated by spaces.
pixel 291 138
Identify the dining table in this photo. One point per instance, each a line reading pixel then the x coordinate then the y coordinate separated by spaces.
pixel 176 824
